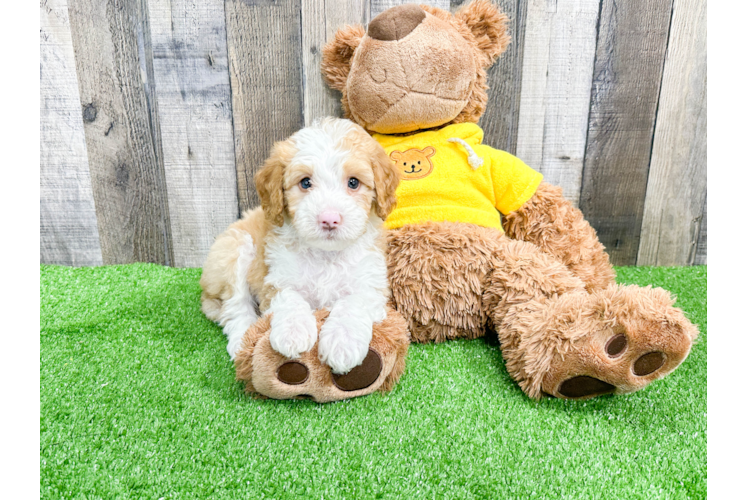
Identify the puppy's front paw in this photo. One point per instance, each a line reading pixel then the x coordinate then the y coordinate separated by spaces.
pixel 294 334
pixel 343 347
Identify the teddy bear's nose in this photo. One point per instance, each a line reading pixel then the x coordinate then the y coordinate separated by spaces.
pixel 396 23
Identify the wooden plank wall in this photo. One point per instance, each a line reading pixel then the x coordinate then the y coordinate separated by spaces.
pixel 555 100
pixel 113 59
pixel 68 228
pixel 676 192
pixel 155 115
pixel 625 90
pixel 190 66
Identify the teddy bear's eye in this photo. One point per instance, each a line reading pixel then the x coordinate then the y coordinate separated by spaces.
pixel 419 162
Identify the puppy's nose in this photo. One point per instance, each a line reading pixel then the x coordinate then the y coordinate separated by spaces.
pixel 329 219
pixel 396 23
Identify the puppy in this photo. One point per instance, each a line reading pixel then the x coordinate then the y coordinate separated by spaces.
pixel 316 242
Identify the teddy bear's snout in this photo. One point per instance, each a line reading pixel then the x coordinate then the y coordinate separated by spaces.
pixel 396 23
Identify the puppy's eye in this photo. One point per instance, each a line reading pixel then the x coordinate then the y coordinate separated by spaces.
pixel 305 183
pixel 353 183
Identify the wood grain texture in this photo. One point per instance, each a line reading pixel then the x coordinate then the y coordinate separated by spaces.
pixel 190 64
pixel 379 6
pixel 114 67
pixel 700 258
pixel 320 19
pixel 67 225
pixel 500 122
pixel 559 56
pixel 155 115
pixel 630 53
pixel 676 189
pixel 264 47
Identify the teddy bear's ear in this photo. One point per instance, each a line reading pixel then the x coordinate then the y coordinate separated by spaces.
pixel 338 53
pixel 489 27
pixel 396 155
pixel 429 151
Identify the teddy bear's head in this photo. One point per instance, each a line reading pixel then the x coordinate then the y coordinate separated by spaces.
pixel 416 67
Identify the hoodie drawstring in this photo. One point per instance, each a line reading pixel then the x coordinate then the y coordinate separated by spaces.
pixel 474 160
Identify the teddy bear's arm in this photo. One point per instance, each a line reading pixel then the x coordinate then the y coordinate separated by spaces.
pixel 551 222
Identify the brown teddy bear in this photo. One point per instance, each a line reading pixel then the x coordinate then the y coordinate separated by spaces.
pixel 416 80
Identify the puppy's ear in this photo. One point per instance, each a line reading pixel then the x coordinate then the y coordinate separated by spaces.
pixel 338 53
pixel 386 180
pixel 269 183
pixel 489 27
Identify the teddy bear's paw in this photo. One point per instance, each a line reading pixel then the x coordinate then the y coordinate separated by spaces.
pixel 633 336
pixel 269 373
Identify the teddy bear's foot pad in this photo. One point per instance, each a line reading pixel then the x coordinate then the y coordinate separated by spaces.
pixel 361 376
pixel 629 349
pixel 649 363
pixel 580 345
pixel 584 386
pixel 270 374
pixel 591 372
pixel 292 373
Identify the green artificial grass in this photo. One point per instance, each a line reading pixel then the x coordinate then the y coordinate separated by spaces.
pixel 138 400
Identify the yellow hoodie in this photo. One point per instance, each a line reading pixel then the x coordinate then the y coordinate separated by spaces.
pixel 448 175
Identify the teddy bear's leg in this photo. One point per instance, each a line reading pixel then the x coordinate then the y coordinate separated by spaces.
pixel 561 340
pixel 270 374
pixel 523 273
pixel 436 273
pixel 582 345
pixel 552 223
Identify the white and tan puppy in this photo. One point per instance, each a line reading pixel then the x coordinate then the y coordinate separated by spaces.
pixel 317 242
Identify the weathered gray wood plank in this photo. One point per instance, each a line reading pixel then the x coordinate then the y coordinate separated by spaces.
pixel 146 119
pixel 114 68
pixel 264 46
pixel 190 64
pixel 559 56
pixel 677 174
pixel 67 225
pixel 379 6
pixel 629 59
pixel 700 258
pixel 500 122
pixel 320 19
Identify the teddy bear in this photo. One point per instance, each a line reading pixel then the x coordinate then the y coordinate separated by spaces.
pixel 477 241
